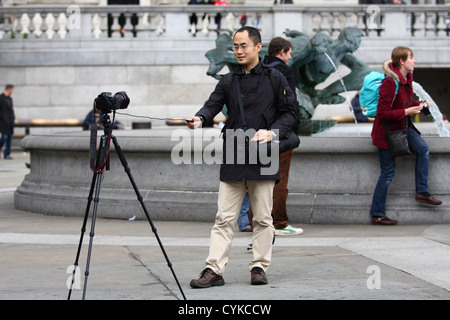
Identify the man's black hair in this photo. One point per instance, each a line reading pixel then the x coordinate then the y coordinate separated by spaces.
pixel 253 34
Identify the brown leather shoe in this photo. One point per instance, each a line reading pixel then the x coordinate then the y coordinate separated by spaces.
pixel 383 221
pixel 208 278
pixel 428 200
pixel 258 276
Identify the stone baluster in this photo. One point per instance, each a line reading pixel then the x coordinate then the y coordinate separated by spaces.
pixel 334 23
pixel 192 24
pixel 419 24
pixel 25 24
pixel 410 21
pixel 353 20
pixel 205 25
pixel 341 22
pixel 321 19
pixel 143 26
pixel 331 23
pixel 230 21
pixel 360 23
pixel 127 27
pixel 96 26
pixel 430 25
pixel 50 25
pixel 441 26
pixel 115 27
pixel 15 24
pixel 160 22
pixel 7 26
pixel 104 24
pixel 62 24
pixel 37 24
pixel 317 22
pixel 331 19
pixel 327 24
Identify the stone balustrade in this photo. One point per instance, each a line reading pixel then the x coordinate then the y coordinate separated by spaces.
pixel 94 22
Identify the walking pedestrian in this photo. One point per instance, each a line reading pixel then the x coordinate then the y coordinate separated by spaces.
pixel 279 54
pixel 6 120
pixel 396 110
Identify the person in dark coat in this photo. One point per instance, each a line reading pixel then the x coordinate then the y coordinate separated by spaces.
pixel 397 110
pixel 279 55
pixel 6 120
pixel 266 122
pixel 357 111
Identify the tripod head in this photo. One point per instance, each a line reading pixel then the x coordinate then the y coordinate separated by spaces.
pixel 106 122
pixel 102 160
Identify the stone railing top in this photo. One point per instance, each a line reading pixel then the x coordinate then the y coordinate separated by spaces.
pixel 167 21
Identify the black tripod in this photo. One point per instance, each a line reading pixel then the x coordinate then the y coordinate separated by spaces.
pixel 102 162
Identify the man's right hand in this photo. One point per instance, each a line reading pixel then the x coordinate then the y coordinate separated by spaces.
pixel 193 122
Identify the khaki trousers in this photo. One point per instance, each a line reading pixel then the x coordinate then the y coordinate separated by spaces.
pixel 231 194
pixel 280 193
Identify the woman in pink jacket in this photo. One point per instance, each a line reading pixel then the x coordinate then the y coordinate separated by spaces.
pixel 398 113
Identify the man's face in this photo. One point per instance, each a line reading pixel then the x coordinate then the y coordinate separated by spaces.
pixel 245 51
pixel 285 56
pixel 8 92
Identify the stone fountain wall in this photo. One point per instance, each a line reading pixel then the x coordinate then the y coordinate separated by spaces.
pixel 331 181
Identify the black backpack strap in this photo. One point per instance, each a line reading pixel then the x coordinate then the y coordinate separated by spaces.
pixel 275 81
pixel 275 63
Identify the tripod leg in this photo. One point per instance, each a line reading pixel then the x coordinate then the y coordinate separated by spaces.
pixel 83 229
pixel 91 234
pixel 140 199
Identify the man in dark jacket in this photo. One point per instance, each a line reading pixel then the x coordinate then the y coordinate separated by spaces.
pixel 6 119
pixel 279 55
pixel 267 121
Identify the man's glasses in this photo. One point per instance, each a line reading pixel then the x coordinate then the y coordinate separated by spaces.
pixel 242 46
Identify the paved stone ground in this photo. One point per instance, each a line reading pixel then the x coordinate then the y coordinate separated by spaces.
pixel 331 262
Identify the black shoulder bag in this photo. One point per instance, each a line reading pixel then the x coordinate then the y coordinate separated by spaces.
pixel 397 139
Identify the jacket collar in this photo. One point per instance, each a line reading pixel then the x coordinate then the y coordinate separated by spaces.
pixel 392 71
pixel 257 69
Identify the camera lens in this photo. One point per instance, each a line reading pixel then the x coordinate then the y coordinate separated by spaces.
pixel 121 100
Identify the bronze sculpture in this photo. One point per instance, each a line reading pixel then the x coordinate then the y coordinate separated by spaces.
pixel 313 60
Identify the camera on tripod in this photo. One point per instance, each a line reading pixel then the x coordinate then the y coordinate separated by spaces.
pixel 106 102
